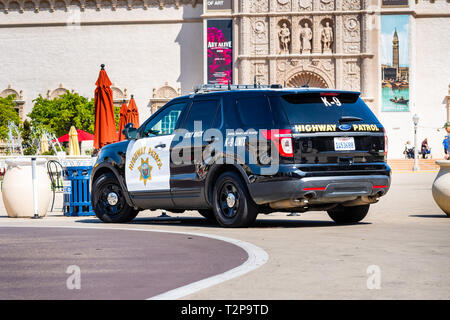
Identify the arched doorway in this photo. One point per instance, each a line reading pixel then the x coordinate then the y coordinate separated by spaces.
pixel 312 79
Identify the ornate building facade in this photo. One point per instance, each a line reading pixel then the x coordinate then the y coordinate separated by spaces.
pixel 321 43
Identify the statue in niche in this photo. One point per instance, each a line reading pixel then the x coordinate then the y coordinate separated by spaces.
pixel 327 38
pixel 305 39
pixel 285 38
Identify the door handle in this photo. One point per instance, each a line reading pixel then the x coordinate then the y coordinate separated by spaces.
pixel 162 145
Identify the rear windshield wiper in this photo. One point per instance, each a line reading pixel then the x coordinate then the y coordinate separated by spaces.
pixel 349 119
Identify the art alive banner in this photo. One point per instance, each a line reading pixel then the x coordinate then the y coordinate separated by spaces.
pixel 218 5
pixel 395 63
pixel 220 51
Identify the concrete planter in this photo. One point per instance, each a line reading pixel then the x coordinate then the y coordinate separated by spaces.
pixel 17 189
pixel 441 186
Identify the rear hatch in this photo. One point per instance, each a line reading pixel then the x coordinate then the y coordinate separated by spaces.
pixel 333 131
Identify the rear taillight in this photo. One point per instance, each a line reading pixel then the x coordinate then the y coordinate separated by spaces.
pixel 385 144
pixel 282 139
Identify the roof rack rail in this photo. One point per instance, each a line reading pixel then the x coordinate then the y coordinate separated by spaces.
pixel 225 87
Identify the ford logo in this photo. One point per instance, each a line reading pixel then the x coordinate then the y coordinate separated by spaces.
pixel 345 127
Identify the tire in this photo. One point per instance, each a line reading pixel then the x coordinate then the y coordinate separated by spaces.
pixel 120 212
pixel 347 215
pixel 237 213
pixel 208 214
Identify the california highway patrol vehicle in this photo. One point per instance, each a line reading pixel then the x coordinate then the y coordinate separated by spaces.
pixel 232 152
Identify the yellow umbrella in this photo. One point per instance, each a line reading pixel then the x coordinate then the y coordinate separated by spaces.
pixel 44 144
pixel 74 149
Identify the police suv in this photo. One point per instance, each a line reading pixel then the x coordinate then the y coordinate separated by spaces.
pixel 232 152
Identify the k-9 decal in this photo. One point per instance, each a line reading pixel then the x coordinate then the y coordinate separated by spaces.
pixel 329 102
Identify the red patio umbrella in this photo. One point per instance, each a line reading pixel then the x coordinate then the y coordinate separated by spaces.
pixel 133 113
pixel 122 120
pixel 82 136
pixel 105 124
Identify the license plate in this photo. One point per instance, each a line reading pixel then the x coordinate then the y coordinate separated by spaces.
pixel 344 143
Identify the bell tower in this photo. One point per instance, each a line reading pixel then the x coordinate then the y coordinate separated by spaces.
pixel 395 53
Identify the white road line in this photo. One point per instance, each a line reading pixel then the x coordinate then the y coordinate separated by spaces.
pixel 256 258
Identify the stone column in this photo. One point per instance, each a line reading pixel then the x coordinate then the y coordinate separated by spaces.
pixel 316 45
pixel 338 40
pixel 236 48
pixel 295 35
pixel 364 61
pixel 448 104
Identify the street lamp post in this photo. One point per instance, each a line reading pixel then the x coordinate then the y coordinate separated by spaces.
pixel 416 154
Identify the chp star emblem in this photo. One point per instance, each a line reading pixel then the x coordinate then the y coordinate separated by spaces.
pixel 145 170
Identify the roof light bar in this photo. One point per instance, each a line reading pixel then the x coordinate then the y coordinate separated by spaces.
pixel 225 87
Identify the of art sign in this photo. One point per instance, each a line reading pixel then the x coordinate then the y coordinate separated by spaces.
pixel 219 46
pixel 218 5
pixel 395 63
pixel 394 3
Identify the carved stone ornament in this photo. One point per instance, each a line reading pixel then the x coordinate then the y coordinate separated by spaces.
pixel 326 5
pixel 262 73
pixel 259 29
pixel 52 6
pixel 351 29
pixel 284 5
pixel 305 5
pixel 10 91
pixel 259 6
pixel 351 5
pixel 57 92
pixel 351 75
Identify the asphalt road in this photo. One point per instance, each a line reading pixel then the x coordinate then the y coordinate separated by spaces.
pixel 405 237
pixel 112 264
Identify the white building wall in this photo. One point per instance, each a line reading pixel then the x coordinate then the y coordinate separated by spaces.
pixel 429 82
pixel 432 79
pixel 142 49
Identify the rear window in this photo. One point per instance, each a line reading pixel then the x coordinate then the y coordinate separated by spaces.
pixel 323 107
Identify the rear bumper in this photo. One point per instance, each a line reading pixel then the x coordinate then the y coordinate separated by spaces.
pixel 321 189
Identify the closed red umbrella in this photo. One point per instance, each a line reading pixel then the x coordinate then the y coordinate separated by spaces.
pixel 133 113
pixel 122 120
pixel 105 124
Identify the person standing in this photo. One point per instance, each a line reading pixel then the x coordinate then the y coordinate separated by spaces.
pixel 446 141
pixel 424 148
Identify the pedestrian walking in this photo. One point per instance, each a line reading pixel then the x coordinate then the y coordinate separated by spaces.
pixel 446 141
pixel 425 149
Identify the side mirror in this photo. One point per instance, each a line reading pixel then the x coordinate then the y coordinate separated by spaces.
pixel 130 132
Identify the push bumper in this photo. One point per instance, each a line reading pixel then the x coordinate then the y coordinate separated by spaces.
pixel 325 189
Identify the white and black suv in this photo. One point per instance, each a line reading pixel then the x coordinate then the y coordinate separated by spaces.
pixel 232 153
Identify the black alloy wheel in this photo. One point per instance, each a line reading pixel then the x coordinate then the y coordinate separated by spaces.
pixel 108 200
pixel 233 205
pixel 348 215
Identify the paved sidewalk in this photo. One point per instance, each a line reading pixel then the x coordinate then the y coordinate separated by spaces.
pixel 406 235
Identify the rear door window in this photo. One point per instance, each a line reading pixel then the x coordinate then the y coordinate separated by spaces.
pixel 254 111
pixel 204 111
